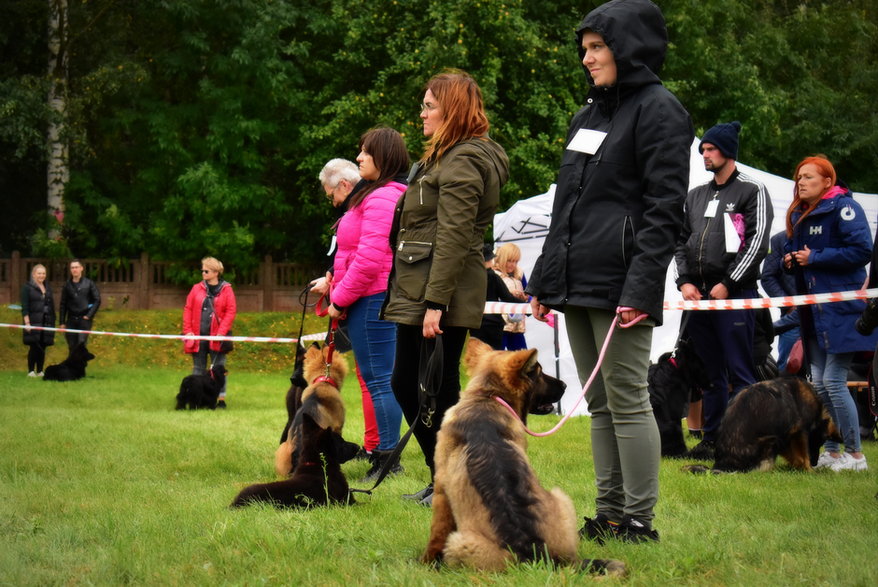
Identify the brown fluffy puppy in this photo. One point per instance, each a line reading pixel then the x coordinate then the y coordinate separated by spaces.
pixel 321 400
pixel 317 480
pixel 489 509
pixel 779 417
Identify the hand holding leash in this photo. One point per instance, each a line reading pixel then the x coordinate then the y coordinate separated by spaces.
pixel 628 317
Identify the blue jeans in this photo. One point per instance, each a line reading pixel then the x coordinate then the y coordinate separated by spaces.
pixel 829 374
pixel 785 344
pixel 374 344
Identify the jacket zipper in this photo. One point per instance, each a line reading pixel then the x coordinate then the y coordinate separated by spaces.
pixel 402 243
pixel 701 244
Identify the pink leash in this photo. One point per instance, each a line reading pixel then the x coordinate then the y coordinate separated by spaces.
pixel 594 373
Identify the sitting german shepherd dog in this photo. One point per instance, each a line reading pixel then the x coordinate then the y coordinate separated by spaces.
pixel 322 401
pixel 782 416
pixel 71 368
pixel 317 480
pixel 489 509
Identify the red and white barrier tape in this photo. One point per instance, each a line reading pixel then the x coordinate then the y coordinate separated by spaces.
pixel 747 304
pixel 504 308
pixel 319 336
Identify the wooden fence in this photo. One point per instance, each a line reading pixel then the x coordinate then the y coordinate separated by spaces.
pixel 142 284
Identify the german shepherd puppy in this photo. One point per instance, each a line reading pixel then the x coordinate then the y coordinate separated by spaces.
pixel 489 509
pixel 321 400
pixel 317 479
pixel 782 416
pixel 201 391
pixel 71 368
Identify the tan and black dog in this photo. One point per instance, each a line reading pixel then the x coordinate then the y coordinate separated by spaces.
pixel 322 401
pixel 317 480
pixel 779 417
pixel 489 509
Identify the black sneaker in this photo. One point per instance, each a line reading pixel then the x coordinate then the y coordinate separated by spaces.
pixel 703 451
pixel 378 459
pixel 598 529
pixel 634 531
pixel 221 404
pixel 420 495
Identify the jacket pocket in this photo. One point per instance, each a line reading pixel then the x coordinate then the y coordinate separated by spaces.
pixel 413 268
pixel 627 241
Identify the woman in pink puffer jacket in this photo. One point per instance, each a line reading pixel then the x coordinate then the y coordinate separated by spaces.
pixel 359 283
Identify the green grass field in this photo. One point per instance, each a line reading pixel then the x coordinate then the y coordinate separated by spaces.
pixel 104 483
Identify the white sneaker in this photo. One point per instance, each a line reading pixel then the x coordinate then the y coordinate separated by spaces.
pixel 31 374
pixel 848 463
pixel 40 374
pixel 825 460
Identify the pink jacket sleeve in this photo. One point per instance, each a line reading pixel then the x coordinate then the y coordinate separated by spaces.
pixel 369 266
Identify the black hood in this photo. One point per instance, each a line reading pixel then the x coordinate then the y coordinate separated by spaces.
pixel 635 32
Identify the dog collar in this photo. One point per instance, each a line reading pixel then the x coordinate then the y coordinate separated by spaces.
pixel 325 379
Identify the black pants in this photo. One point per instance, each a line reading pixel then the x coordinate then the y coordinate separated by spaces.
pixel 405 380
pixel 36 357
pixel 75 339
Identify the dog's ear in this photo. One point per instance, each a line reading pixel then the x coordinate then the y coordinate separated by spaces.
pixel 313 353
pixel 475 350
pixel 525 361
pixel 309 425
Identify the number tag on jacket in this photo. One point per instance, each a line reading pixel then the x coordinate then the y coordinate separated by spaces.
pixel 587 141
pixel 710 212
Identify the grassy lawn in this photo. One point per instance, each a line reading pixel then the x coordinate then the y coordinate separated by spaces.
pixel 104 483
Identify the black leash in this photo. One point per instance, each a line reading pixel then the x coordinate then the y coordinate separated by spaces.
pixel 430 368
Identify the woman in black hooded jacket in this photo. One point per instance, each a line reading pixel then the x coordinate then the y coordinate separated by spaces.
pixel 617 213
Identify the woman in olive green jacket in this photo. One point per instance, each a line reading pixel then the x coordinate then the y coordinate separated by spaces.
pixel 438 281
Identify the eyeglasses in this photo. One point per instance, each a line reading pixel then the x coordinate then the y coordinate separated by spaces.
pixel 428 107
pixel 205 271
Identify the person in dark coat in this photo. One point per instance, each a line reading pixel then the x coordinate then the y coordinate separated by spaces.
pixel 37 309
pixel 80 300
pixel 617 212
pixel 777 283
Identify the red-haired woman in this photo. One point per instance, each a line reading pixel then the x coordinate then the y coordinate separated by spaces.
pixel 828 246
pixel 438 281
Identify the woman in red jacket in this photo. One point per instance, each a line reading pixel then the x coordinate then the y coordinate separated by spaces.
pixel 210 311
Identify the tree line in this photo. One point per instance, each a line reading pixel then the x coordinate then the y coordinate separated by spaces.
pixel 199 126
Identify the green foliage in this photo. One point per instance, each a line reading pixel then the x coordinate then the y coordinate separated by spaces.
pixel 200 127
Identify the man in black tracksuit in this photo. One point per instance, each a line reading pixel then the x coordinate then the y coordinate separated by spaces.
pixel 80 300
pixel 724 239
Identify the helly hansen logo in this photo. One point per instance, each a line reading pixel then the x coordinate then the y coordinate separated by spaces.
pixel 816 230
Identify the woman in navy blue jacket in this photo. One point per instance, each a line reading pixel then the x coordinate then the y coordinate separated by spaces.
pixel 828 246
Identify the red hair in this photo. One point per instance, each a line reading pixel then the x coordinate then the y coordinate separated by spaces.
pixel 825 169
pixel 463 108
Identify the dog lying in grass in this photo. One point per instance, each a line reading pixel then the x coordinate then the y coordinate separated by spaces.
pixel 489 509
pixel 321 400
pixel 71 368
pixel 317 480
pixel 779 417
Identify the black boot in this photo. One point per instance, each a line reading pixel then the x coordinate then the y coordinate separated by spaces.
pixel 379 458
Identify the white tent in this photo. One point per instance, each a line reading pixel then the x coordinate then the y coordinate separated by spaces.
pixel 526 224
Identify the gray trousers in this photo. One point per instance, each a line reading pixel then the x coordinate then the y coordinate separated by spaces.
pixel 624 436
pixel 199 362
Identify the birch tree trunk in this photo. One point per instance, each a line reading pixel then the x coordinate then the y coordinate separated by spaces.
pixel 57 172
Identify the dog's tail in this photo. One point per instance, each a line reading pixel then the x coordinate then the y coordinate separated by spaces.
pixel 604 566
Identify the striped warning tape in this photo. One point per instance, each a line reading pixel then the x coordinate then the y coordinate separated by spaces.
pixel 505 308
pixel 307 337
pixel 745 304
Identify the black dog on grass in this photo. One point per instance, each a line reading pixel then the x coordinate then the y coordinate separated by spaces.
pixel 201 391
pixel 317 479
pixel 780 417
pixel 71 368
